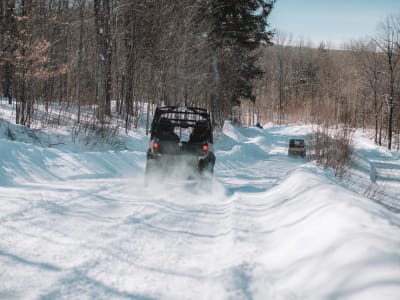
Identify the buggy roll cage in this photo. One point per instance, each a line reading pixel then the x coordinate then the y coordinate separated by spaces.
pixel 181 116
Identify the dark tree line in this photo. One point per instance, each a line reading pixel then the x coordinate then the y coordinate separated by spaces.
pixel 85 54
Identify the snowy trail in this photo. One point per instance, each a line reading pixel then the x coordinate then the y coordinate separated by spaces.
pixel 81 225
pixel 97 229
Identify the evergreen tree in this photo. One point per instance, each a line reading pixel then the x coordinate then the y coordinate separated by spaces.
pixel 238 27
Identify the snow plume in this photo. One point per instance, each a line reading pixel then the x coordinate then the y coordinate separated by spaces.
pixel 82 225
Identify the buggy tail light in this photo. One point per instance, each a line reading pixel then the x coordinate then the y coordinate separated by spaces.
pixel 156 145
pixel 205 149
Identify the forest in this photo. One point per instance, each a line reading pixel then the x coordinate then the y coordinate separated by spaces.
pixel 106 62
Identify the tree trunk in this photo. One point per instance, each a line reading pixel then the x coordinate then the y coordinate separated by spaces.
pixel 102 11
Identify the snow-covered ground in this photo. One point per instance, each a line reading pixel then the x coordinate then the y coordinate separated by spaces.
pixel 80 224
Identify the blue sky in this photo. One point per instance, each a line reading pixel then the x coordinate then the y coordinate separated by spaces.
pixel 337 21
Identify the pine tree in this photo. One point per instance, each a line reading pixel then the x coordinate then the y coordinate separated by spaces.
pixel 238 28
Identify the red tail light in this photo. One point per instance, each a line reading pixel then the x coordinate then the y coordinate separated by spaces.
pixel 205 148
pixel 155 146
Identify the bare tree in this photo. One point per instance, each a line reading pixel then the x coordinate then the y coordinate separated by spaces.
pixel 102 12
pixel 370 64
pixel 388 39
pixel 7 46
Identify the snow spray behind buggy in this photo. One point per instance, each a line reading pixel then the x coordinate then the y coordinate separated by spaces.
pixel 181 144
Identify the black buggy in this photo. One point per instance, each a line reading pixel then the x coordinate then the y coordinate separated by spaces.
pixel 297 148
pixel 181 143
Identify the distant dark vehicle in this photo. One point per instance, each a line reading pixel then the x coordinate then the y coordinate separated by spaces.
pixel 181 139
pixel 297 148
